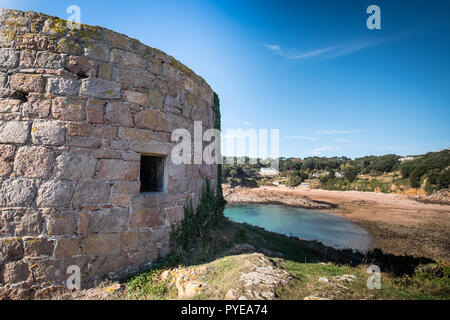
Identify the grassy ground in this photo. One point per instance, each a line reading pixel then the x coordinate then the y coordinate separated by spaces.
pixel 212 269
pixel 306 284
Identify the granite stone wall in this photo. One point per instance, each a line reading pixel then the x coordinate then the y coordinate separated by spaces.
pixel 78 108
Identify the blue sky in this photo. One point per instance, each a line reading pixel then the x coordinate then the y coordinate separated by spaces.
pixel 309 68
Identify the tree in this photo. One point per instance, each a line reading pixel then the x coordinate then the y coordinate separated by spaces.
pixel 296 178
pixel 443 180
pixel 406 168
pixel 416 176
pixel 332 174
pixel 350 173
pixel 294 181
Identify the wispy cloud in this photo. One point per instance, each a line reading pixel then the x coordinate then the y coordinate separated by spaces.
pixel 342 140
pixel 329 51
pixel 247 123
pixel 320 150
pixel 274 47
pixel 310 54
pixel 333 132
pixel 302 138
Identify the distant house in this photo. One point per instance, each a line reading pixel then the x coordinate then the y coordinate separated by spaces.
pixel 269 172
pixel 406 159
pixel 317 175
pixel 305 185
pixel 339 175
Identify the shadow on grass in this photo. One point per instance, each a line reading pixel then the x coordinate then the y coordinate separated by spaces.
pixel 299 250
pixel 222 240
pixel 231 238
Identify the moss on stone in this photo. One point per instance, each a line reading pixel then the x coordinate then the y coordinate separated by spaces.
pixel 9 34
pixel 12 240
pixel 117 40
pixel 179 66
pixel 17 23
pixel 89 32
pixel 35 27
pixel 55 26
pixel 68 46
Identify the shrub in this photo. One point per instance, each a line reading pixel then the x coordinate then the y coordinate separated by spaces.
pixel 192 229
pixel 416 175
pixel 443 180
pixel 350 173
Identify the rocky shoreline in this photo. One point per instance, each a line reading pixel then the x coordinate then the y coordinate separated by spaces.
pixel 263 196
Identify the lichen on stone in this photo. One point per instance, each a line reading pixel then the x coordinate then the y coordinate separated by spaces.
pixel 55 26
pixel 180 67
pixel 67 46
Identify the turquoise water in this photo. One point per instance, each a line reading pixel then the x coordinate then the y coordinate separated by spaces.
pixel 329 229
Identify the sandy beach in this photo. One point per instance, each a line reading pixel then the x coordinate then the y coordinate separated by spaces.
pixel 397 223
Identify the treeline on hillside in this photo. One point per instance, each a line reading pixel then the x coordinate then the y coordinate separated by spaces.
pixel 431 170
pixel 365 165
pixel 241 172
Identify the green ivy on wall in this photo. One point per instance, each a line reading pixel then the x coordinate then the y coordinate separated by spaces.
pixel 209 213
pixel 218 126
pixel 191 231
pixel 217 117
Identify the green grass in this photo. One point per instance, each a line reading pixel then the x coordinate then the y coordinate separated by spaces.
pixel 366 185
pixel 305 261
pixel 431 279
pixel 147 286
pixel 306 284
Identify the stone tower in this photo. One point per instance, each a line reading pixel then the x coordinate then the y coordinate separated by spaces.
pixel 85 116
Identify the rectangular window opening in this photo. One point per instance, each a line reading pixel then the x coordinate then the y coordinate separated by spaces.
pixel 152 173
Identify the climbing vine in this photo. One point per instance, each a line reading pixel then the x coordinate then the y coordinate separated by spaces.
pixel 216 109
pixel 192 230
pixel 209 213
pixel 218 126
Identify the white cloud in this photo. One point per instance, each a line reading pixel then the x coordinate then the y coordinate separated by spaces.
pixel 320 150
pixel 274 47
pixel 302 138
pixel 333 132
pixel 247 123
pixel 343 140
pixel 310 54
pixel 330 51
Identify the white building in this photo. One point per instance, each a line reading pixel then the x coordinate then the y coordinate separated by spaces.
pixel 269 172
pixel 406 159
pixel 317 174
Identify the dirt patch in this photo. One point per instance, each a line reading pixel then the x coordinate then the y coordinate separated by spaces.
pixel 398 224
